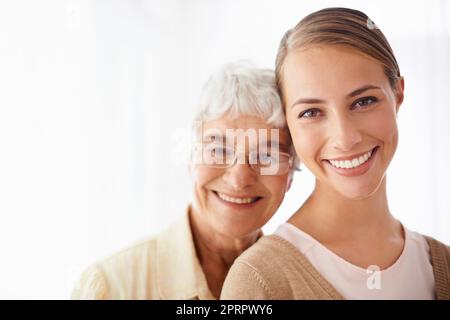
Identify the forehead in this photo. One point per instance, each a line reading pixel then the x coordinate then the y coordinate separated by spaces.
pixel 327 71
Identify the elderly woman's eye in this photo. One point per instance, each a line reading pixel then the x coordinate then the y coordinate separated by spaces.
pixel 265 158
pixel 222 152
pixel 364 102
pixel 218 151
pixel 309 113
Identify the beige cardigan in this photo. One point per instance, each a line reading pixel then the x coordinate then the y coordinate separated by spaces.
pixel 164 267
pixel 274 269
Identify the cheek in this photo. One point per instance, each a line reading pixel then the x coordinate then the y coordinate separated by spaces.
pixel 307 142
pixel 202 176
pixel 383 126
pixel 276 186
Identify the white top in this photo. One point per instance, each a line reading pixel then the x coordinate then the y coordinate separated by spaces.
pixel 410 277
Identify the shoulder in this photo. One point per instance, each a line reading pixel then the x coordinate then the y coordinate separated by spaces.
pixel 91 285
pixel 132 258
pixel 435 248
pixel 440 261
pixel 120 275
pixel 147 269
pixel 272 247
pixel 256 274
pixel 438 249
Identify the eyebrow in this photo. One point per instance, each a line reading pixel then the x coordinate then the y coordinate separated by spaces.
pixel 352 94
pixel 361 90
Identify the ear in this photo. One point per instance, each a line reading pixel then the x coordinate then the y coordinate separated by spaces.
pixel 399 93
pixel 289 182
pixel 290 179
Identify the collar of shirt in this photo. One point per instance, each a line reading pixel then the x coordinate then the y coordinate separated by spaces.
pixel 180 275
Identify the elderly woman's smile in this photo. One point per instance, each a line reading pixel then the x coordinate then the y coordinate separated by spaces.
pixel 238 199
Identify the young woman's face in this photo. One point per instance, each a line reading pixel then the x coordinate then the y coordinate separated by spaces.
pixel 341 111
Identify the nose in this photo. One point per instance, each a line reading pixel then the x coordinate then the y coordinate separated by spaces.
pixel 345 133
pixel 240 176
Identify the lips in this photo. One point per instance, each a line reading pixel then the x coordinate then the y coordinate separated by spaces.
pixel 235 199
pixel 351 162
pixel 354 165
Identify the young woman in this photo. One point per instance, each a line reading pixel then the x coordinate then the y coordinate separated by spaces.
pixel 342 89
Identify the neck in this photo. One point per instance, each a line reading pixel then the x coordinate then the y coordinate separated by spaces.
pixel 217 252
pixel 332 217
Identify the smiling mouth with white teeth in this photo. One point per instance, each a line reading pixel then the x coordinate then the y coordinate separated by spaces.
pixel 353 163
pixel 237 200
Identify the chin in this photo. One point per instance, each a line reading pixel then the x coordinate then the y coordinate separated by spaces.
pixel 237 227
pixel 358 192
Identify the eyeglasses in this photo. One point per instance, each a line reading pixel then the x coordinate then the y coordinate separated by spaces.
pixel 263 162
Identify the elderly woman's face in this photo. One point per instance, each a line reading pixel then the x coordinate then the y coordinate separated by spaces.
pixel 239 199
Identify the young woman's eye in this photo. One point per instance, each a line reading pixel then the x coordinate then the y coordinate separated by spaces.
pixel 364 102
pixel 309 113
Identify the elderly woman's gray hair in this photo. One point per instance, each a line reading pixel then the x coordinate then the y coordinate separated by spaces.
pixel 241 89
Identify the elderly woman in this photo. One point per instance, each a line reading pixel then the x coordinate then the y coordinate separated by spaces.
pixel 241 166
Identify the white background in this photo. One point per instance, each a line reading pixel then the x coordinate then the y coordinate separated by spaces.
pixel 96 98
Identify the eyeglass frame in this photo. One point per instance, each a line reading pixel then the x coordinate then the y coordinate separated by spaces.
pixel 229 164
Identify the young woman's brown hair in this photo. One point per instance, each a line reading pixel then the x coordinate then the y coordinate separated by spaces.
pixel 339 26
